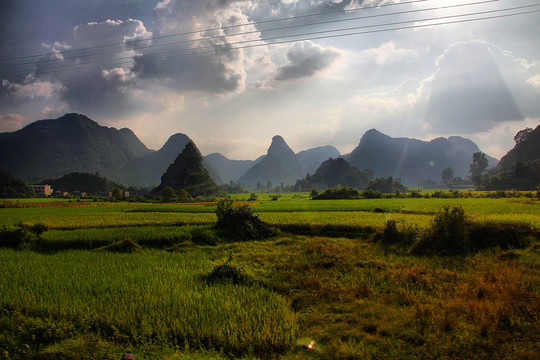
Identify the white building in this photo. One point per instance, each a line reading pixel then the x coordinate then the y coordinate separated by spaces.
pixel 42 190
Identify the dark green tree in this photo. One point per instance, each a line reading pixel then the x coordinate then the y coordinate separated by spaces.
pixel 522 135
pixel 117 193
pixel 168 193
pixel 447 176
pixel 478 167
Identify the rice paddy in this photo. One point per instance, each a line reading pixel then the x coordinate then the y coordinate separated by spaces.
pixel 110 278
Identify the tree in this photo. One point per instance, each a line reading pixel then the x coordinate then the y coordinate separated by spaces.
pixel 117 193
pixel 168 193
pixel 522 135
pixel 447 176
pixel 478 167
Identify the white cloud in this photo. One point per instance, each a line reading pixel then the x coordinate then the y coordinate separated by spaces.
pixel 32 89
pixel 110 32
pixel 305 60
pixel 388 53
pixel 476 87
pixel 11 122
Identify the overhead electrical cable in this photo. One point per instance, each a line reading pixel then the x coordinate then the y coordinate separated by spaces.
pixel 217 28
pixel 243 44
pixel 249 33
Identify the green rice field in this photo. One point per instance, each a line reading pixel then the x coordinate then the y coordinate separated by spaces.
pixel 105 279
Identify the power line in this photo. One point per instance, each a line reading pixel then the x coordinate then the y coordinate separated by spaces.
pixel 242 44
pixel 254 32
pixel 217 28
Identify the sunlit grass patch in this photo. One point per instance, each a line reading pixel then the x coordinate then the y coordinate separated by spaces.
pixel 147 297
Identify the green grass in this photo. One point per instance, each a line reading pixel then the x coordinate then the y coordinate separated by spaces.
pixel 146 297
pixel 323 277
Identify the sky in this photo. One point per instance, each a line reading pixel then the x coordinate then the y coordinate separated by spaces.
pixel 231 74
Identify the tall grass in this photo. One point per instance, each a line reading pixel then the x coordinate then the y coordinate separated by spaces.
pixel 146 297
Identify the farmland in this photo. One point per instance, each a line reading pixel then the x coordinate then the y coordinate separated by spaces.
pixel 108 278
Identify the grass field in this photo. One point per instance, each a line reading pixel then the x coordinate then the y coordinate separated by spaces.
pixel 113 278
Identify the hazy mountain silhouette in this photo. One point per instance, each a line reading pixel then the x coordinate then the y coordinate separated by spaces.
pixel 311 159
pixel 71 143
pixel 412 160
pixel 280 165
pixel 147 170
pixel 333 173
pixel 75 143
pixel 188 173
pixel 228 170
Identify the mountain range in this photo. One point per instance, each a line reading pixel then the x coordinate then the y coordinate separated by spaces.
pixel 413 160
pixel 75 143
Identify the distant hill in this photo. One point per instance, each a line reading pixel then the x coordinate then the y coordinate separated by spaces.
pixel 75 143
pixel 12 187
pixel 334 172
pixel 71 143
pixel 311 159
pixel 228 170
pixel 147 170
pixel 233 170
pixel 412 160
pixel 280 165
pixel 188 173
pixel 93 184
pixel 519 169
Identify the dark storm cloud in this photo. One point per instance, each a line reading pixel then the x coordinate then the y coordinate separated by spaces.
pixel 102 90
pixel 306 59
pixel 189 73
pixel 477 86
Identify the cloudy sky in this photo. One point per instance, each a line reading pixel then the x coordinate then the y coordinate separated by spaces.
pixel 231 74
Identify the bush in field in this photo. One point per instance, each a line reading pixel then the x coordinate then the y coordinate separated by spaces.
pixel 391 235
pixel 21 235
pixel 371 194
pixel 240 222
pixel 448 234
pixel 336 193
pixel 123 246
pixel 229 273
pixel 452 233
pixel 506 236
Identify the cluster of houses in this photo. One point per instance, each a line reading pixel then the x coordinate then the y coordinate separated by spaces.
pixel 47 190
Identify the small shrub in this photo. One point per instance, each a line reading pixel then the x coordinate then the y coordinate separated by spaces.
pixel 371 194
pixel 391 235
pixel 123 246
pixel 416 195
pixel 21 236
pixel 229 273
pixel 448 234
pixel 506 236
pixel 336 193
pixel 240 222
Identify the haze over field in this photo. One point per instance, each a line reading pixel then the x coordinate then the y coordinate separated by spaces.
pixel 478 79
